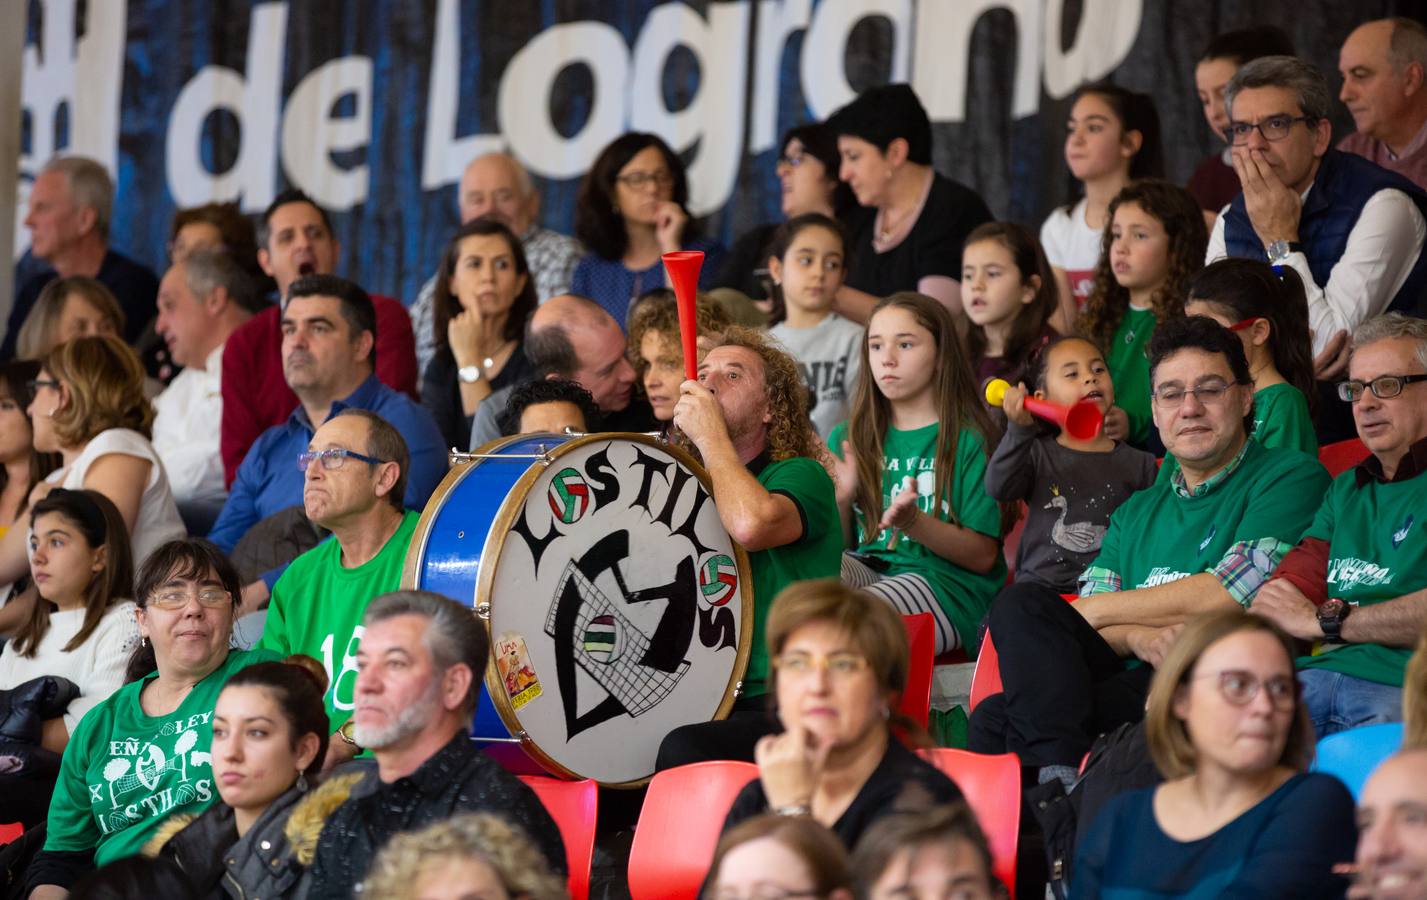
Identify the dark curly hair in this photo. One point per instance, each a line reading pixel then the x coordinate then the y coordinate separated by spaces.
pixel 447 305
pixel 790 431
pixel 1179 213
pixel 597 225
pixel 547 390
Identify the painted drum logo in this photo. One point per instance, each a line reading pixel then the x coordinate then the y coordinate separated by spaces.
pixel 569 496
pixel 718 579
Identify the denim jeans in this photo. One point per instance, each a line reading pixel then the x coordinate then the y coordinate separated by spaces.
pixel 1337 702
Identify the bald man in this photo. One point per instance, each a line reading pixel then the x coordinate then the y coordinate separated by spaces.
pixel 1392 830
pixel 1384 66
pixel 573 338
pixel 497 186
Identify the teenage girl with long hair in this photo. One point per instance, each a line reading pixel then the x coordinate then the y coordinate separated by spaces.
pixel 910 471
pixel 1152 246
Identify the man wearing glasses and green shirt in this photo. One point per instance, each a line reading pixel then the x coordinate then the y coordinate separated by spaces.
pixel 354 480
pixel 1205 540
pixel 1356 585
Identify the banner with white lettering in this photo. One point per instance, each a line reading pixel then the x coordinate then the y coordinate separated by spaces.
pixel 374 106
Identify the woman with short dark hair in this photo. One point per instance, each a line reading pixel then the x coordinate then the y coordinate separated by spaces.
pixel 631 210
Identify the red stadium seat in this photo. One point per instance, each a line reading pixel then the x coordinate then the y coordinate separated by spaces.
pixel 679 826
pixel 992 785
pixel 1342 456
pixel 986 679
pixel 11 832
pixel 921 638
pixel 573 806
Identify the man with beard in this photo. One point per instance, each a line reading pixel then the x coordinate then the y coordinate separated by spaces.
pixel 420 665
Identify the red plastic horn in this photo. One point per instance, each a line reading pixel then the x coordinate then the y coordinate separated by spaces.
pixel 1082 421
pixel 683 267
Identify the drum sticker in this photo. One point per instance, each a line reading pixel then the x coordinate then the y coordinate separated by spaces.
pixel 569 496
pixel 516 673
pixel 718 579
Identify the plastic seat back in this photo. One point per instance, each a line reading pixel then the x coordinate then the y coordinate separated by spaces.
pixel 921 640
pixel 11 832
pixel 679 827
pixel 986 677
pixel 1352 755
pixel 1342 456
pixel 574 805
pixel 992 786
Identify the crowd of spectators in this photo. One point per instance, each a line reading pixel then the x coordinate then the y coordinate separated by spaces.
pixel 248 441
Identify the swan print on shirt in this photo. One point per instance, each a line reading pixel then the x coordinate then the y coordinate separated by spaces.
pixel 148 778
pixel 1077 537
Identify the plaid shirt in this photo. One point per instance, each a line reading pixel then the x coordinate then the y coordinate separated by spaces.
pixel 1242 569
pixel 551 257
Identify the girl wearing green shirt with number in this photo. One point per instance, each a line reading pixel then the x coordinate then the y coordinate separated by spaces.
pixel 1153 244
pixel 911 470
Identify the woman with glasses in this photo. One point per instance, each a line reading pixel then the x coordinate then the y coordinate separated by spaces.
pixel 145 752
pixel 807 183
pixel 781 857
pixel 1238 815
pixel 840 663
pixel 87 404
pixel 633 208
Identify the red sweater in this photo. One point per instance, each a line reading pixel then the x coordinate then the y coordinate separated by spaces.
pixel 255 394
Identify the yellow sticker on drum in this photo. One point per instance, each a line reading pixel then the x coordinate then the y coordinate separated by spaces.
pixel 517 674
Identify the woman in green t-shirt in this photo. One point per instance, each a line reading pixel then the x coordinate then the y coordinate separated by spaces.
pixel 910 492
pixel 1154 241
pixel 143 754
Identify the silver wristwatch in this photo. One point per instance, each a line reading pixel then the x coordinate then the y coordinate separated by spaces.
pixel 469 374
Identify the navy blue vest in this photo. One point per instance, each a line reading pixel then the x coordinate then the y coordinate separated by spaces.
pixel 1343 185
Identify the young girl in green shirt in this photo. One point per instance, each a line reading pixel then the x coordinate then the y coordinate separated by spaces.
pixel 910 491
pixel 1153 244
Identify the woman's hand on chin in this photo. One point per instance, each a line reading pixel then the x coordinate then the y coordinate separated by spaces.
pixel 790 765
pixel 669 221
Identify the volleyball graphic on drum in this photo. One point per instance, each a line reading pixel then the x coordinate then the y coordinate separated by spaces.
pixel 618 606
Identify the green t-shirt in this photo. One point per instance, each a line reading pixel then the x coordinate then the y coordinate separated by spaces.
pixel 317 607
pixel 1130 370
pixel 125 772
pixel 817 554
pixel 1377 552
pixel 964 595
pixel 1280 420
pixel 1157 536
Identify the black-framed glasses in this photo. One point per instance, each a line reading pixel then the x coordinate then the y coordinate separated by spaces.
pixel 791 160
pixel 34 385
pixel 1240 688
pixel 333 458
pixel 1211 394
pixel 638 181
pixel 1274 128
pixel 1383 387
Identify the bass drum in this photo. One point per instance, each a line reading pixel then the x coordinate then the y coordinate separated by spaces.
pixel 617 605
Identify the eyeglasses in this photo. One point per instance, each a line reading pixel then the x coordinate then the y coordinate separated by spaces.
pixel 1211 394
pixel 333 458
pixel 1274 128
pixel 638 181
pixel 1240 687
pixel 34 385
pixel 1383 387
pixel 791 160
pixel 838 665
pixel 212 598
